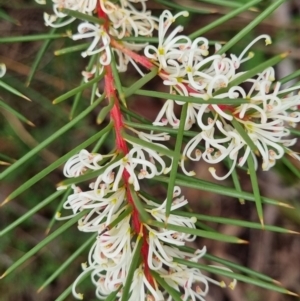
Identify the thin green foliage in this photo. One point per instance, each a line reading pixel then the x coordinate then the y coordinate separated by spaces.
pixel 176 158
pixel 146 151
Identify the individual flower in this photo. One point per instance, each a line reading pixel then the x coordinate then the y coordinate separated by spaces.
pixel 126 164
pixel 102 207
pixel 100 37
pixel 128 22
pixel 192 282
pixel 82 6
pixel 168 53
pixel 141 289
pixel 157 255
pixel 2 69
pixel 81 162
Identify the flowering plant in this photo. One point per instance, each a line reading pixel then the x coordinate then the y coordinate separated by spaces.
pixel 142 244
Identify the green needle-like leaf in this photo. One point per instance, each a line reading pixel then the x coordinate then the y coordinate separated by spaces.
pixel 235 222
pixel 89 175
pixel 44 103
pixel 100 142
pixel 39 57
pixel 219 189
pixel 238 267
pixel 176 159
pixel 231 264
pixel 31 212
pixel 192 9
pixel 104 111
pixel 176 296
pixel 244 31
pixel 235 179
pixel 77 97
pixel 7 158
pixel 81 16
pixel 68 262
pixel 226 3
pixel 113 295
pixel 290 77
pixel 295 132
pixel 117 220
pixel 58 209
pixel 43 243
pixel 50 139
pixel 240 129
pixel 117 81
pixel 31 38
pixel 255 188
pixel 78 89
pixel 223 19
pixel 232 275
pixel 149 145
pixel 291 167
pixel 135 261
pixel 197 232
pixel 12 90
pixel 15 113
pixel 56 164
pixel 141 39
pixel 68 291
pixel 7 17
pixel 71 49
pixel 228 101
pixel 139 206
pixel 157 128
pixel 135 115
pixel 140 83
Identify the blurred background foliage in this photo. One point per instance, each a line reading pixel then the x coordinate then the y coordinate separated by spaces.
pixel 276 255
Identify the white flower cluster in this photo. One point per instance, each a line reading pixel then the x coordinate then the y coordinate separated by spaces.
pixel 123 20
pixel 139 163
pixel 188 69
pixel 112 253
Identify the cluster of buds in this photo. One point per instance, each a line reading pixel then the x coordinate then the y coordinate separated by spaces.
pixel 132 231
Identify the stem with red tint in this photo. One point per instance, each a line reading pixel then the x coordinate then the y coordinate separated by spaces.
pixel 121 145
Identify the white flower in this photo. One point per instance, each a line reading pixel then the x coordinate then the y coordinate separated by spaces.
pixel 2 69
pixel 167 53
pixel 168 110
pixel 80 163
pixel 82 6
pixel 128 164
pixel 128 22
pixel 103 209
pixel 157 255
pixel 193 283
pixel 110 258
pixel 103 205
pixel 142 290
pixel 241 59
pixel 159 214
pixel 88 30
pixel 114 244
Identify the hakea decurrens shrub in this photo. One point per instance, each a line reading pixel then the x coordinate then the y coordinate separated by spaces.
pixel 258 111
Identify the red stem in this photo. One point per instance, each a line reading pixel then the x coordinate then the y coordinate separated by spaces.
pixel 121 145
